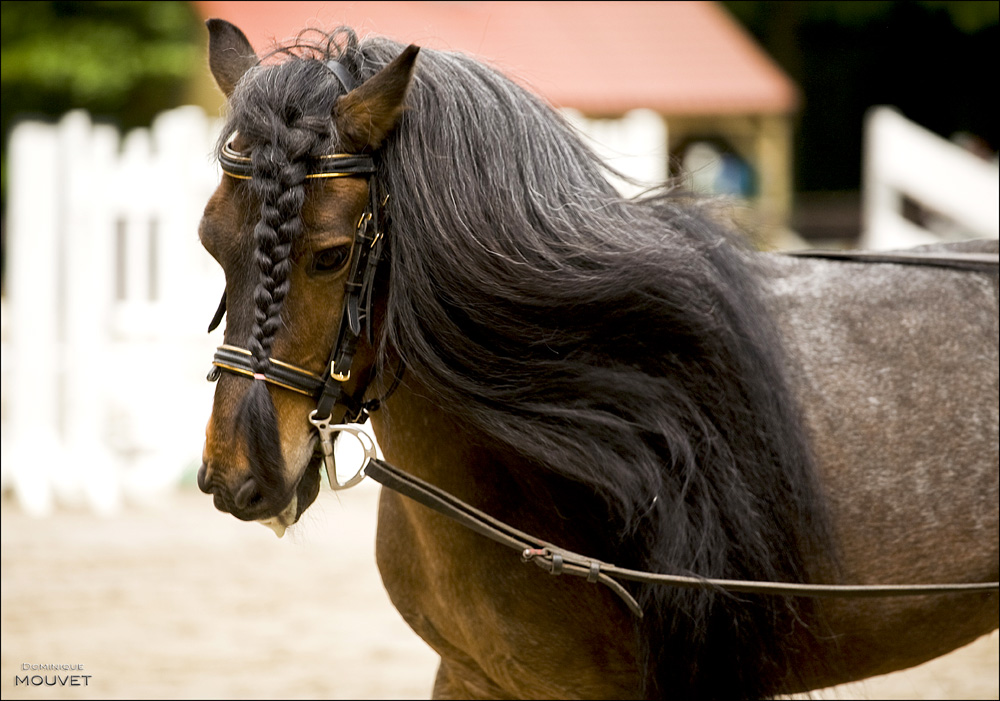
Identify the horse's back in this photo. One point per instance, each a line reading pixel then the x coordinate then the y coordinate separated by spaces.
pixel 896 370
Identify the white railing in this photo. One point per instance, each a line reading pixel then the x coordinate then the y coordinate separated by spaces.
pixel 958 192
pixel 108 297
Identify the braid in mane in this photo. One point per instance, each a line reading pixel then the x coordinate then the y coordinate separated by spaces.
pixel 283 113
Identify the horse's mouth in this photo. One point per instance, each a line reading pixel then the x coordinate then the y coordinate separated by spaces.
pixel 303 496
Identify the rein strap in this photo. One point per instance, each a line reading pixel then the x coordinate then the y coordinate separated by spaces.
pixel 556 560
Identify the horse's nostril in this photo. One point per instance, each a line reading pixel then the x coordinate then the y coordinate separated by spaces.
pixel 248 495
pixel 203 481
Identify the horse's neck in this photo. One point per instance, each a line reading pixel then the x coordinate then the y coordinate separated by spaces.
pixel 418 436
pixel 450 583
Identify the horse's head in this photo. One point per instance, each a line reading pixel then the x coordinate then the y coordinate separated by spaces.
pixel 293 224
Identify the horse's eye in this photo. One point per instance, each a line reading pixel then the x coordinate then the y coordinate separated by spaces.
pixel 330 259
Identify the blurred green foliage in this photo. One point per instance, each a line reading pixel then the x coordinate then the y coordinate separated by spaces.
pixel 123 62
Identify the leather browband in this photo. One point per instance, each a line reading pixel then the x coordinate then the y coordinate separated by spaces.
pixel 335 165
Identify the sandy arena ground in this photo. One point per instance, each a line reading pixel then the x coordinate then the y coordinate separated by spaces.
pixel 180 601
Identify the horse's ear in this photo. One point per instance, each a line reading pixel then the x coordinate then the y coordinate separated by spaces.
pixel 367 114
pixel 229 54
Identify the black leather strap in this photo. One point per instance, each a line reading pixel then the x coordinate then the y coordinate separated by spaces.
pixel 356 315
pixel 335 165
pixel 238 360
pixel 343 75
pixel 219 313
pixel 474 519
pixel 978 262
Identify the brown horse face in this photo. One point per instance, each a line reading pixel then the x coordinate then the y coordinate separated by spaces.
pixel 310 318
pixel 260 460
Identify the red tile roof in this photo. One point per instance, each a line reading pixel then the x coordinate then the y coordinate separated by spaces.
pixel 603 58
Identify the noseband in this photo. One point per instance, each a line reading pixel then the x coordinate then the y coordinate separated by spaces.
pixel 327 389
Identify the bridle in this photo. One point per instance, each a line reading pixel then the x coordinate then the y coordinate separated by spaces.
pixel 328 391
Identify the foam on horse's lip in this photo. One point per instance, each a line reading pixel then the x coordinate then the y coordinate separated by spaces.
pixel 280 523
pixel 275 524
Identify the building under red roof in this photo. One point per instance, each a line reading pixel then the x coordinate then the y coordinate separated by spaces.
pixel 602 58
pixel 689 61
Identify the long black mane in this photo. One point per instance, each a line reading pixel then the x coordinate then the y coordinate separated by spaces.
pixel 629 336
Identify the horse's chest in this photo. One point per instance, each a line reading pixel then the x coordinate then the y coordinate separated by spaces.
pixel 496 623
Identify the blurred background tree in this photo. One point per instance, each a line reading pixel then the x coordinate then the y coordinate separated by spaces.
pixel 123 62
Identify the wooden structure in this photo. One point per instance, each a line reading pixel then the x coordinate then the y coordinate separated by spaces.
pixel 690 62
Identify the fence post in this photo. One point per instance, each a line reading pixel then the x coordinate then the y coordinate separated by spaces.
pixel 635 145
pixel 34 442
pixel 88 154
pixel 902 158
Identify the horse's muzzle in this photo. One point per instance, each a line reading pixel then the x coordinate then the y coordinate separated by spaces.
pixel 247 502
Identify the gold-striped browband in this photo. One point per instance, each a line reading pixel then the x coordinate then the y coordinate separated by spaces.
pixel 335 165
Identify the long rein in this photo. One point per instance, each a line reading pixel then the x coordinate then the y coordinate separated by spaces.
pixel 328 390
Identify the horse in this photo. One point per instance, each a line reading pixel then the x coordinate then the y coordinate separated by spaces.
pixel 623 377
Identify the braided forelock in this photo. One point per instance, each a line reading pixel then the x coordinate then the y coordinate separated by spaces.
pixel 285 114
pixel 281 191
pixel 290 135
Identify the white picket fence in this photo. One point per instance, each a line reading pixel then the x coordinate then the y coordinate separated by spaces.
pixel 902 158
pixel 109 294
